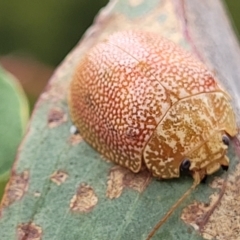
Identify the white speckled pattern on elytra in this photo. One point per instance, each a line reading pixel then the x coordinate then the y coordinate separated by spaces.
pixel 140 99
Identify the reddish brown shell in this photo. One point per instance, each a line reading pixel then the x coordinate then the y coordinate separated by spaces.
pixel 138 98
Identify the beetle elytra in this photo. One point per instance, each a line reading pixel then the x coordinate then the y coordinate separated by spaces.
pixel 141 100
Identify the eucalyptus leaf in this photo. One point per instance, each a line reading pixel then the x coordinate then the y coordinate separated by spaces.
pixel 13 119
pixel 61 188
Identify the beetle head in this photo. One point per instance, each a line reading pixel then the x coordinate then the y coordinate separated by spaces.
pixel 209 157
pixel 192 137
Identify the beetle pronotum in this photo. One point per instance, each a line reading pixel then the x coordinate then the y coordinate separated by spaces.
pixel 142 101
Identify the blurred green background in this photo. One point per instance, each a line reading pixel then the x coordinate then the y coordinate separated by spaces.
pixel 45 29
pixel 35 36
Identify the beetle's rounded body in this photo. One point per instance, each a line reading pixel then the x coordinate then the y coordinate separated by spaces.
pixel 139 99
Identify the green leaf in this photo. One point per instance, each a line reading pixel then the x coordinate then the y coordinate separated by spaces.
pixel 60 188
pixel 13 119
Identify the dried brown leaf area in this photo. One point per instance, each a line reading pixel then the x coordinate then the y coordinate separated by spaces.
pixel 59 177
pixel 37 194
pixel 224 222
pixel 75 139
pixel 15 188
pixel 84 200
pixel 29 231
pixel 55 92
pixel 56 117
pixel 120 178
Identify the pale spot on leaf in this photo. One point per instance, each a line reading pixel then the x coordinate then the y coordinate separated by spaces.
pixel 75 139
pixel 84 200
pixel 120 178
pixel 59 177
pixel 56 117
pixel 29 231
pixel 55 93
pixel 135 3
pixel 37 194
pixel 16 188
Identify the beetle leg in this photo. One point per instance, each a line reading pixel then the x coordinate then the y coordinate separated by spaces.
pixel 224 163
pixel 198 176
pixel 204 179
pixel 225 168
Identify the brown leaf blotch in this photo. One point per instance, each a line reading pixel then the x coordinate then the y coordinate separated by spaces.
pixel 55 92
pixel 29 231
pixel 120 178
pixel 224 221
pixel 138 181
pixel 75 139
pixel 84 200
pixel 59 177
pixel 15 189
pixel 115 182
pixel 56 117
pixel 37 194
pixel 194 214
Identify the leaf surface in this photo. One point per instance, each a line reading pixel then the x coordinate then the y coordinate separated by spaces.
pixel 61 188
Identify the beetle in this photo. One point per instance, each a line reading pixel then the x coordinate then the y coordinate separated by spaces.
pixel 142 101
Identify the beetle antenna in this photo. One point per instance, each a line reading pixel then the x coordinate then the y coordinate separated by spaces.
pixel 171 210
